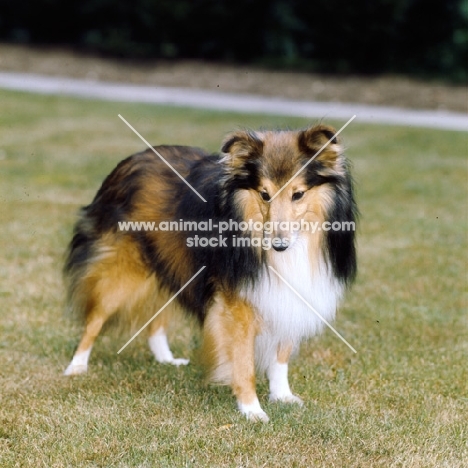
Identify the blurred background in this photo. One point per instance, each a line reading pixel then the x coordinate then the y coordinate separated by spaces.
pixel 420 38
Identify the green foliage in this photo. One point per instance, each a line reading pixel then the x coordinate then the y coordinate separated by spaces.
pixel 338 36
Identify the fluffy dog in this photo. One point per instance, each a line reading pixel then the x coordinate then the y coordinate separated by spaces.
pixel 254 303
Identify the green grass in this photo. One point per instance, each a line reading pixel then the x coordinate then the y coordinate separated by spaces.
pixel 401 401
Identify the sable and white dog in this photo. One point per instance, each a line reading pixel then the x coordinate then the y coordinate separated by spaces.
pixel 251 319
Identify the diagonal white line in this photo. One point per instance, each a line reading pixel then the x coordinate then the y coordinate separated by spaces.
pixel 312 309
pixel 312 158
pixel 159 154
pixel 161 309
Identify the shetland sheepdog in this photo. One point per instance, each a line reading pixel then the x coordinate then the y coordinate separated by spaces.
pixel 255 304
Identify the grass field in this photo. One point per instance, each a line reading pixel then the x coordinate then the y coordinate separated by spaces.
pixel 401 401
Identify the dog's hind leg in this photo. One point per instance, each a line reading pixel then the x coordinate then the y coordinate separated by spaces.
pixel 277 373
pixel 95 320
pixel 158 340
pixel 116 283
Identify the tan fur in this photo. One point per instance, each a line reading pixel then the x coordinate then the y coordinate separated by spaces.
pixel 278 170
pixel 228 345
pixel 284 353
pixel 119 284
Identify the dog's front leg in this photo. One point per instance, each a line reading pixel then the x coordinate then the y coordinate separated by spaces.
pixel 229 348
pixel 277 373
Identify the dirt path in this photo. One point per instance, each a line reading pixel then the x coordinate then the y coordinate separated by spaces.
pixel 387 90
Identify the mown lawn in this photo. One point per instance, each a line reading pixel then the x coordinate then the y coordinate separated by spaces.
pixel 401 401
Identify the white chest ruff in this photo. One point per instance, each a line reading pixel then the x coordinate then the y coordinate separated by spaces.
pixel 288 316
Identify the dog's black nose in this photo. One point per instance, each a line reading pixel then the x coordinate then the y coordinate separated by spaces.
pixel 280 248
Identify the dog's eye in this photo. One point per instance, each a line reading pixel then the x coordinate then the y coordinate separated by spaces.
pixel 297 196
pixel 265 196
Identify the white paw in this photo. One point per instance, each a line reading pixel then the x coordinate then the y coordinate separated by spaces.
pixel 161 351
pixel 258 416
pixel 253 412
pixel 76 369
pixel 175 362
pixel 288 398
pixel 79 363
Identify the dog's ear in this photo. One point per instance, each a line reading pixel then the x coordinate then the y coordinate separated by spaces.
pixel 241 148
pixel 313 140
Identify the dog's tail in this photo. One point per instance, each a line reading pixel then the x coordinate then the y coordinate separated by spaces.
pixel 80 254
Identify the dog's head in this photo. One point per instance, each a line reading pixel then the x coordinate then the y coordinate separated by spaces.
pixel 283 179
